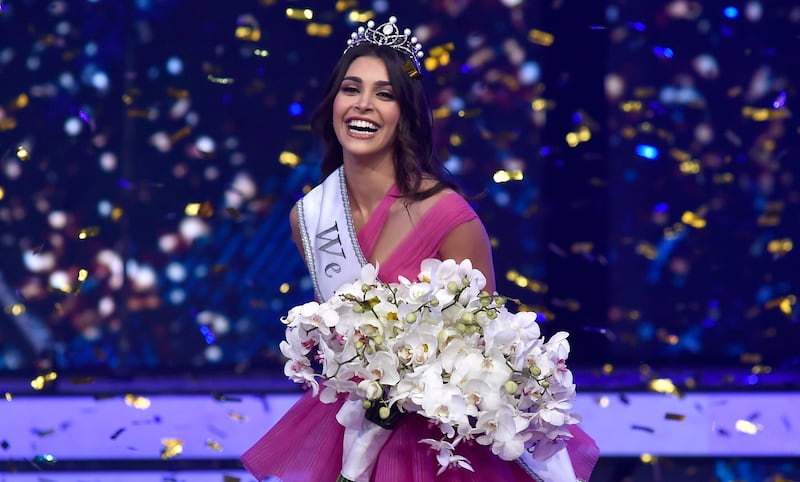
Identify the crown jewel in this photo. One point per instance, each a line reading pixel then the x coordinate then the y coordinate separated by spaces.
pixel 389 34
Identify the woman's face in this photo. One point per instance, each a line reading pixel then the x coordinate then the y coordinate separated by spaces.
pixel 365 112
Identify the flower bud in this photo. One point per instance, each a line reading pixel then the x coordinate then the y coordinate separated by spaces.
pixel 359 345
pixel 485 301
pixel 365 288
pixel 535 371
pixel 434 302
pixel 511 387
pixel 383 412
pixel 544 383
pixel 461 327
pixel 467 317
pixel 367 404
pixel 358 308
pixel 500 300
pixel 411 317
pixel 452 286
pixel 378 339
pixel 491 314
pixel 465 281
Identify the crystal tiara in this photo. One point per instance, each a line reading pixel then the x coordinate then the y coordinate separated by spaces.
pixel 389 35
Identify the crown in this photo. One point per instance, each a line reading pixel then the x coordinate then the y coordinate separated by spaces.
pixel 389 35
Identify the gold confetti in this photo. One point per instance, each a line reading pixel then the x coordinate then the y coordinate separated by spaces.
pixel 214 445
pixel 442 112
pixel 23 154
pixel 284 288
pixel 663 385
pixel 89 232
pixel 693 220
pixel 237 416
pixel 289 159
pixel 675 416
pixel 360 17
pixel 584 247
pixel 771 215
pixel 247 28
pixel 780 247
pixel 763 114
pixel 15 310
pixel 172 448
pixel 502 176
pixel 204 209
pixel 647 458
pixel 180 134
pixel 8 123
pixel 319 30
pixel 784 303
pixel 299 13
pixel 9 396
pixel 540 37
pixel 137 402
pixel 746 426
pixel 40 382
pixel 750 358
pixel 342 5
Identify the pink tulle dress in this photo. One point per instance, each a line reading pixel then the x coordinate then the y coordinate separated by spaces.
pixel 305 445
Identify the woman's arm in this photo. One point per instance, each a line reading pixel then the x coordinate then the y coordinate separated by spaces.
pixel 470 241
pixel 293 220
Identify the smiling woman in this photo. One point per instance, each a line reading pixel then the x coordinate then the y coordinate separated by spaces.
pixel 365 115
pixel 386 200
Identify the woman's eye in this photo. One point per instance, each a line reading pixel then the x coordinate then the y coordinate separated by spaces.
pixel 349 89
pixel 385 95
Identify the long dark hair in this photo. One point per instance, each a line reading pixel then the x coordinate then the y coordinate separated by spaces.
pixel 414 156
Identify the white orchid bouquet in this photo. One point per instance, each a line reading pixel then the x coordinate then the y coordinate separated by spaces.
pixel 441 347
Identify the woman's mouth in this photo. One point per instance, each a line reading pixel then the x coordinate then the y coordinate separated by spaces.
pixel 360 126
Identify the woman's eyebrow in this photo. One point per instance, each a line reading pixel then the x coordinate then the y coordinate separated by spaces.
pixel 379 83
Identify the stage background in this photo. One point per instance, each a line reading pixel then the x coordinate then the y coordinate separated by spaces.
pixel 638 165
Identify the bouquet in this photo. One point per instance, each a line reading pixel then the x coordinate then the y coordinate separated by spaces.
pixel 442 347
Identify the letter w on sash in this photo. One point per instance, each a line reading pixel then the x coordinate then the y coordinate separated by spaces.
pixel 332 244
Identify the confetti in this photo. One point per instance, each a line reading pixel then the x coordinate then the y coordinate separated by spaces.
pixel 642 428
pixel 171 448
pixel 137 402
pixel 43 381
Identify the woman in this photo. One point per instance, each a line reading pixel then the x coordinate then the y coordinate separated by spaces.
pixel 385 200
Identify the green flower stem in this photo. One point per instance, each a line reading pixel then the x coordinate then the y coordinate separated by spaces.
pixel 342 478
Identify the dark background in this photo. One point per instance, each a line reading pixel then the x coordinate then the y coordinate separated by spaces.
pixel 665 238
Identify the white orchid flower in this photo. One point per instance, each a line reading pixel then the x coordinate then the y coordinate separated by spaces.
pixel 382 367
pixel 446 457
pixel 298 367
pixel 430 346
pixel 370 389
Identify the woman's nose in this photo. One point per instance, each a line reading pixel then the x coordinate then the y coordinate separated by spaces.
pixel 364 103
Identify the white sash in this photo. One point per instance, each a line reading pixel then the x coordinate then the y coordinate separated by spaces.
pixel 330 244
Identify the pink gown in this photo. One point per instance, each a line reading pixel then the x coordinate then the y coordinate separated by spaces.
pixel 305 445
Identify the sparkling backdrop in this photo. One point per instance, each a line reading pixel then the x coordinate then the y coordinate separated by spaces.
pixel 151 151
